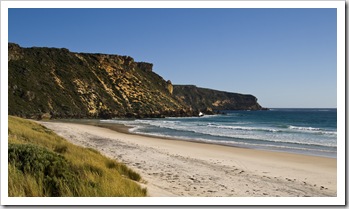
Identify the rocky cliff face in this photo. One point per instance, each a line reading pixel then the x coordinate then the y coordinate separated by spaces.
pixel 57 83
pixel 208 100
pixel 50 82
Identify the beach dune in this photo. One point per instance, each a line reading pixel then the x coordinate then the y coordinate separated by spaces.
pixel 181 168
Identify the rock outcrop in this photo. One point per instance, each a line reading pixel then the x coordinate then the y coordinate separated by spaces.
pixel 169 87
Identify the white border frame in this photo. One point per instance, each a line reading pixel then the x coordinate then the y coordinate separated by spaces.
pixel 339 200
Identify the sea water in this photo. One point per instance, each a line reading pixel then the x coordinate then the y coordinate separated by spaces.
pixel 303 131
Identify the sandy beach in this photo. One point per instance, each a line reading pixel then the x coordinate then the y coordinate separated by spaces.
pixel 181 168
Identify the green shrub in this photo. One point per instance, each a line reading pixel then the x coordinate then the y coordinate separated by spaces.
pixel 48 168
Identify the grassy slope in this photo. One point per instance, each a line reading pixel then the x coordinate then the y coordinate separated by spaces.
pixel 43 164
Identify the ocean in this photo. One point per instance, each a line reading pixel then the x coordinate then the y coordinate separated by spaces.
pixel 302 131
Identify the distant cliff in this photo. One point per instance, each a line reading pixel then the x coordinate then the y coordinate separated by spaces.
pixel 208 100
pixel 56 83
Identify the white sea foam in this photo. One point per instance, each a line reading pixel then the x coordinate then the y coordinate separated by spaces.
pixel 232 132
pixel 314 130
pixel 237 136
pixel 241 129
pixel 244 128
pixel 304 128
pixel 245 144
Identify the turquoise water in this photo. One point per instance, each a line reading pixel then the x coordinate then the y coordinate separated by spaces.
pixel 305 131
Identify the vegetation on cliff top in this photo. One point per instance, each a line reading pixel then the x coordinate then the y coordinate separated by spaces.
pixel 41 164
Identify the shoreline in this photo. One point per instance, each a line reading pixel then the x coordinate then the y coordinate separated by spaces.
pixel 122 128
pixel 126 130
pixel 185 168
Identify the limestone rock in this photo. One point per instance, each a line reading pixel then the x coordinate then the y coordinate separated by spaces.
pixel 169 87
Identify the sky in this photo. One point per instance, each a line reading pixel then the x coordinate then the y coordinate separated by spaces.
pixel 285 57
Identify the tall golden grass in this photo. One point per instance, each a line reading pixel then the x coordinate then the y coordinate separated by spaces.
pixel 42 163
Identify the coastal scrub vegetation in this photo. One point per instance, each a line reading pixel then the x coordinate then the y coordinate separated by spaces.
pixel 42 164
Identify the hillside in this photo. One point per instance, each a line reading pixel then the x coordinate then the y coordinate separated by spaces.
pixel 56 83
pixel 59 83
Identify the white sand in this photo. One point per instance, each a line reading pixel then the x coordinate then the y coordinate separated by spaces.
pixel 181 168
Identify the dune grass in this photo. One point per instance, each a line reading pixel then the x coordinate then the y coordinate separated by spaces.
pixel 42 164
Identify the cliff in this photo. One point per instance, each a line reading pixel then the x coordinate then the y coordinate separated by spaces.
pixel 51 82
pixel 56 83
pixel 208 100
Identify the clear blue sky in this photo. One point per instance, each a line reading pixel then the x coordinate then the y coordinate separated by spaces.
pixel 285 57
